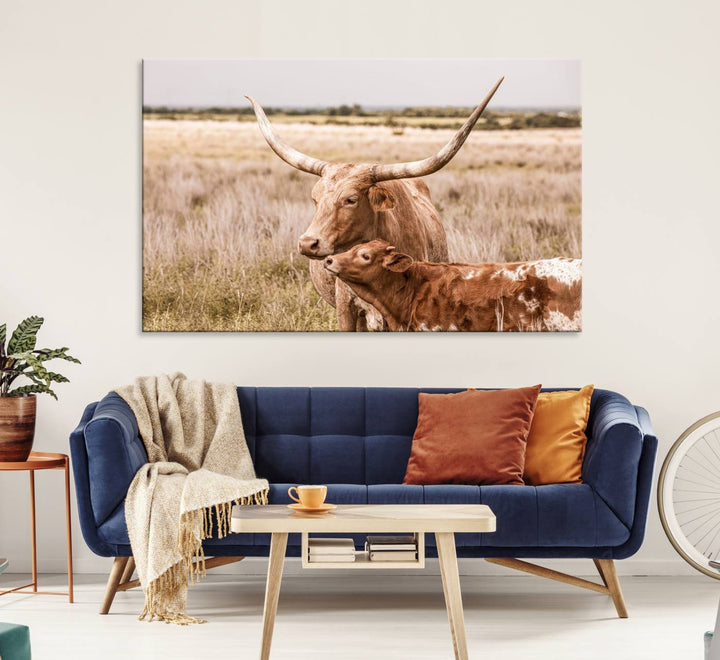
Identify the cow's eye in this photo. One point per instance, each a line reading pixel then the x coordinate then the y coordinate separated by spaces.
pixel 366 256
pixel 351 200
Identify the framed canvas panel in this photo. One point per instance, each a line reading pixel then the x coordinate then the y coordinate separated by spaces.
pixel 352 195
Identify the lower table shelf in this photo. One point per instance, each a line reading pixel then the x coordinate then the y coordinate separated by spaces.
pixel 362 558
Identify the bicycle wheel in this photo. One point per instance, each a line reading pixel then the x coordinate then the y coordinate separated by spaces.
pixel 689 495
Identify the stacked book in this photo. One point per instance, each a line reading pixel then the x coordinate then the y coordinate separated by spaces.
pixel 331 550
pixel 391 548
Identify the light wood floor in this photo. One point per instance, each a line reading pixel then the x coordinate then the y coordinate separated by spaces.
pixel 377 616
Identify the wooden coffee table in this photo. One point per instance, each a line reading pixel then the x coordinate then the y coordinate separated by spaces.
pixel 443 520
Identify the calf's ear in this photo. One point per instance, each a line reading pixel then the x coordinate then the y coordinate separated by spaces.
pixel 381 199
pixel 397 262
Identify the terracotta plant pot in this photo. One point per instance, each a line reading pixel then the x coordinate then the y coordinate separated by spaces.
pixel 17 427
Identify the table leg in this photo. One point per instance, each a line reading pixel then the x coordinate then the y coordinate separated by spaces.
pixel 33 534
pixel 69 531
pixel 451 587
pixel 278 544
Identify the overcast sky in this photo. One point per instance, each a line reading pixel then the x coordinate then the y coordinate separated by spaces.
pixel 370 82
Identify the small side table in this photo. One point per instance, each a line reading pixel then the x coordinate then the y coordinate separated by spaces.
pixel 40 460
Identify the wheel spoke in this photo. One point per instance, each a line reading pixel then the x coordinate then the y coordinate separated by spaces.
pixel 712 541
pixel 705 481
pixel 709 464
pixel 696 508
pixel 716 514
pixel 711 448
pixel 706 474
pixel 707 492
pixel 693 477
pixel 710 544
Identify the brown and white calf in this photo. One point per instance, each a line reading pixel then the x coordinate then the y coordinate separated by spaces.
pixel 414 295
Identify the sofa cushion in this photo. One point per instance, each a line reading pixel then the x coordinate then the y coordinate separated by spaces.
pixel 561 515
pixel 330 435
pixel 556 442
pixel 336 493
pixel 471 437
pixel 386 458
pixel 570 515
pixel 114 531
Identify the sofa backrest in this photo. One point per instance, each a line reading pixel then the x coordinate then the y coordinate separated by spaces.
pixel 331 434
pixel 350 435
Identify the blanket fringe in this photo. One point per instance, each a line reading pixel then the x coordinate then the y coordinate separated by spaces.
pixel 165 590
pixel 162 593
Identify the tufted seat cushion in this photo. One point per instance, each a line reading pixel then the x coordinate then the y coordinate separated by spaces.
pixel 528 516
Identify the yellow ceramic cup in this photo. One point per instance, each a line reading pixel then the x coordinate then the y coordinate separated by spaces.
pixel 308 496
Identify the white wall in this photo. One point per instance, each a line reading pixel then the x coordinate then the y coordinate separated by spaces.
pixel 70 223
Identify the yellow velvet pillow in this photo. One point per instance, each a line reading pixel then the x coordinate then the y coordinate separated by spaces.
pixel 556 442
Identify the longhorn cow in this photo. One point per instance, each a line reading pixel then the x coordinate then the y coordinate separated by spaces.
pixel 358 202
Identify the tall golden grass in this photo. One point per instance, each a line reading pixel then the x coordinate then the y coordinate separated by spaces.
pixel 222 214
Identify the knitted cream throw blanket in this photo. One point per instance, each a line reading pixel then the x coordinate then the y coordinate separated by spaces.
pixel 199 467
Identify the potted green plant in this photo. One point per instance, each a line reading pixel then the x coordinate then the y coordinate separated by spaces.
pixel 21 360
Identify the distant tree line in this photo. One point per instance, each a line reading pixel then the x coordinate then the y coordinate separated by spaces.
pixel 491 120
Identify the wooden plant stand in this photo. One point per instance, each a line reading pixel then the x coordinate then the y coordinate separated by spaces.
pixel 39 460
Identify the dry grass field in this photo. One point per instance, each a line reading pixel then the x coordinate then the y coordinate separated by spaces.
pixel 222 214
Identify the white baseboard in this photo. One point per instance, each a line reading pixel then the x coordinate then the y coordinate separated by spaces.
pixel 469 567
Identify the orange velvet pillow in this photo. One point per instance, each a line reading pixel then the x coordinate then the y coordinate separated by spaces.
pixel 556 443
pixel 471 437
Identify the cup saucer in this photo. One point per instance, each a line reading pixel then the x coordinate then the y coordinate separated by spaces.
pixel 323 508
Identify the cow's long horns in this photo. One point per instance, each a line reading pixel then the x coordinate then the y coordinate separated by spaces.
pixel 439 160
pixel 286 152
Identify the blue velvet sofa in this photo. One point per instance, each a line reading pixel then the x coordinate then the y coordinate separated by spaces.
pixel 357 440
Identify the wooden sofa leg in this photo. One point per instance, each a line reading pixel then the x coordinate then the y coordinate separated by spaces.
pixel 116 574
pixel 129 570
pixel 606 568
pixel 541 571
pixel 124 567
pixel 600 570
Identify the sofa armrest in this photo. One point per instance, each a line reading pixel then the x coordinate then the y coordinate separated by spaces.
pixel 79 457
pixel 644 421
pixel 645 483
pixel 612 458
pixel 114 452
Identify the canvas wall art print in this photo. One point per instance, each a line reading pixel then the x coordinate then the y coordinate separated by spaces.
pixel 362 195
